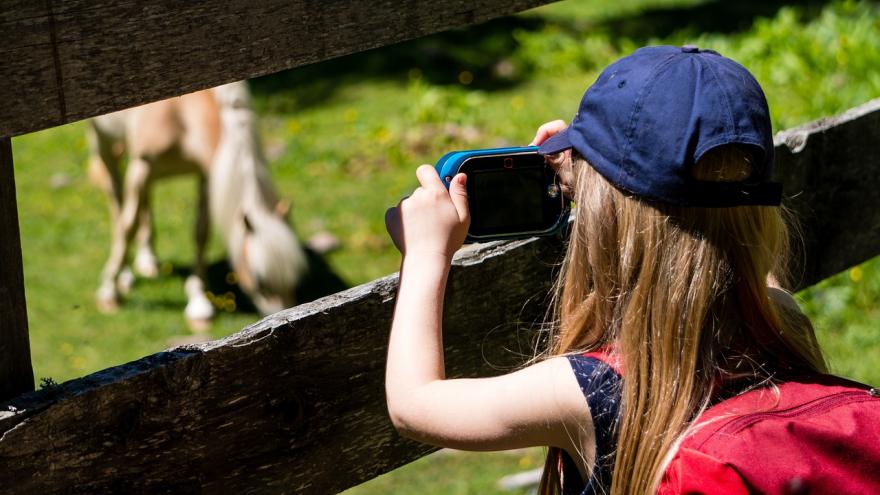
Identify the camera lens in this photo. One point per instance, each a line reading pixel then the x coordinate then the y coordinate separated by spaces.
pixel 508 162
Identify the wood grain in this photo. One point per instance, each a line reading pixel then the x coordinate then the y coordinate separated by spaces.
pixel 16 374
pixel 65 61
pixel 831 172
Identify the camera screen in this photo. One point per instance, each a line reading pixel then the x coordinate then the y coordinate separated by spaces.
pixel 507 200
pixel 512 195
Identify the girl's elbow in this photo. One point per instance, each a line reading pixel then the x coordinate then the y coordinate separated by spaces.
pixel 403 427
pixel 400 416
pixel 405 418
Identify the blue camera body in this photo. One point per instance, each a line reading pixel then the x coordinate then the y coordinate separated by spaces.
pixel 449 164
pixel 512 194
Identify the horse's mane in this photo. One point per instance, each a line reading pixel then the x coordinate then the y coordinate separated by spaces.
pixel 244 205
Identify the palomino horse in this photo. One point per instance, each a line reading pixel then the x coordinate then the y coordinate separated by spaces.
pixel 211 133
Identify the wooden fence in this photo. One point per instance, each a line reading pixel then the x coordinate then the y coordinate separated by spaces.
pixel 66 61
pixel 295 402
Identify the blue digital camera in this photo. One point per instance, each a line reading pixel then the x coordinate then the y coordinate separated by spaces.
pixel 512 193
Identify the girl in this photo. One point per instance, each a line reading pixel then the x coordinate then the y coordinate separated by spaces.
pixel 666 302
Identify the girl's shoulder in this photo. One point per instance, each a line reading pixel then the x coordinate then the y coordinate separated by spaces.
pixel 606 355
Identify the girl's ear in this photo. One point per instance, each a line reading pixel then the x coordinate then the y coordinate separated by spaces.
pixel 562 163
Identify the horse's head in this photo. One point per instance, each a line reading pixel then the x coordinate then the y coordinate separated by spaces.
pixel 269 261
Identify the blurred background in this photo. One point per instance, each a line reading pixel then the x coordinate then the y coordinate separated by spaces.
pixel 343 139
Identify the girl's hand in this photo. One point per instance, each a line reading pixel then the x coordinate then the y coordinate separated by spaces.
pixel 431 220
pixel 546 130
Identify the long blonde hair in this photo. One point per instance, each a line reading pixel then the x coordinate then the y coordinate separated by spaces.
pixel 680 296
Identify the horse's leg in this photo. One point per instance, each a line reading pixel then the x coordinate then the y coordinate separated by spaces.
pixel 134 191
pixel 145 263
pixel 104 172
pixel 199 310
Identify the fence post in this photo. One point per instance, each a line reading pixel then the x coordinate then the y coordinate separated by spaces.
pixel 16 374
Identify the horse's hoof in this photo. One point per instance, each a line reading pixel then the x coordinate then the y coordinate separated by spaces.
pixel 106 299
pixel 145 264
pixel 198 325
pixel 107 305
pixel 199 309
pixel 125 281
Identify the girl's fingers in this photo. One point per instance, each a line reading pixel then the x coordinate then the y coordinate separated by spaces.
pixel 428 178
pixel 546 130
pixel 458 194
pixel 431 219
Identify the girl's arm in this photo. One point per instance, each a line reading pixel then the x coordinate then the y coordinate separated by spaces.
pixel 539 405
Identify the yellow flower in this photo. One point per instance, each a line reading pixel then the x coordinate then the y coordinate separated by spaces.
pixel 855 274
pixel 517 102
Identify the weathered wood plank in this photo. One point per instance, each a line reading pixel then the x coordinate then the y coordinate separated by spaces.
pixel 294 403
pixel 16 374
pixel 65 61
pixel 831 172
pixel 28 76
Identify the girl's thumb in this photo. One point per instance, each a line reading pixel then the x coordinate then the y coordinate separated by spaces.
pixel 458 193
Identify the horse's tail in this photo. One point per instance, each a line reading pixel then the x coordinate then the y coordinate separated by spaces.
pixel 263 250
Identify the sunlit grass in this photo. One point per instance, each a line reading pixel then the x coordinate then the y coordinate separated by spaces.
pixel 457 473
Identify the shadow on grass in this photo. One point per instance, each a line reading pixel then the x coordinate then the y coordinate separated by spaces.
pixel 320 281
pixel 489 52
pixel 719 16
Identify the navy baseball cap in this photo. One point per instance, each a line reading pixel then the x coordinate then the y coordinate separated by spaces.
pixel 650 116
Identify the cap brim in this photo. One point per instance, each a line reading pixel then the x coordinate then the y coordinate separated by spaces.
pixel 556 143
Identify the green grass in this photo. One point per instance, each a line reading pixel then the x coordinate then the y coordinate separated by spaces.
pixel 65 240
pixel 345 137
pixel 456 473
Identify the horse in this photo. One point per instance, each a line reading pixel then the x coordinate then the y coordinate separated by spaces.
pixel 213 134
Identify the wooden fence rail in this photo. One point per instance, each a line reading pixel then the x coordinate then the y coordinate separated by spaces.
pixel 295 403
pixel 831 172
pixel 66 61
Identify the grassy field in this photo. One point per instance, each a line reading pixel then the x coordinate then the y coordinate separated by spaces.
pixel 344 137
